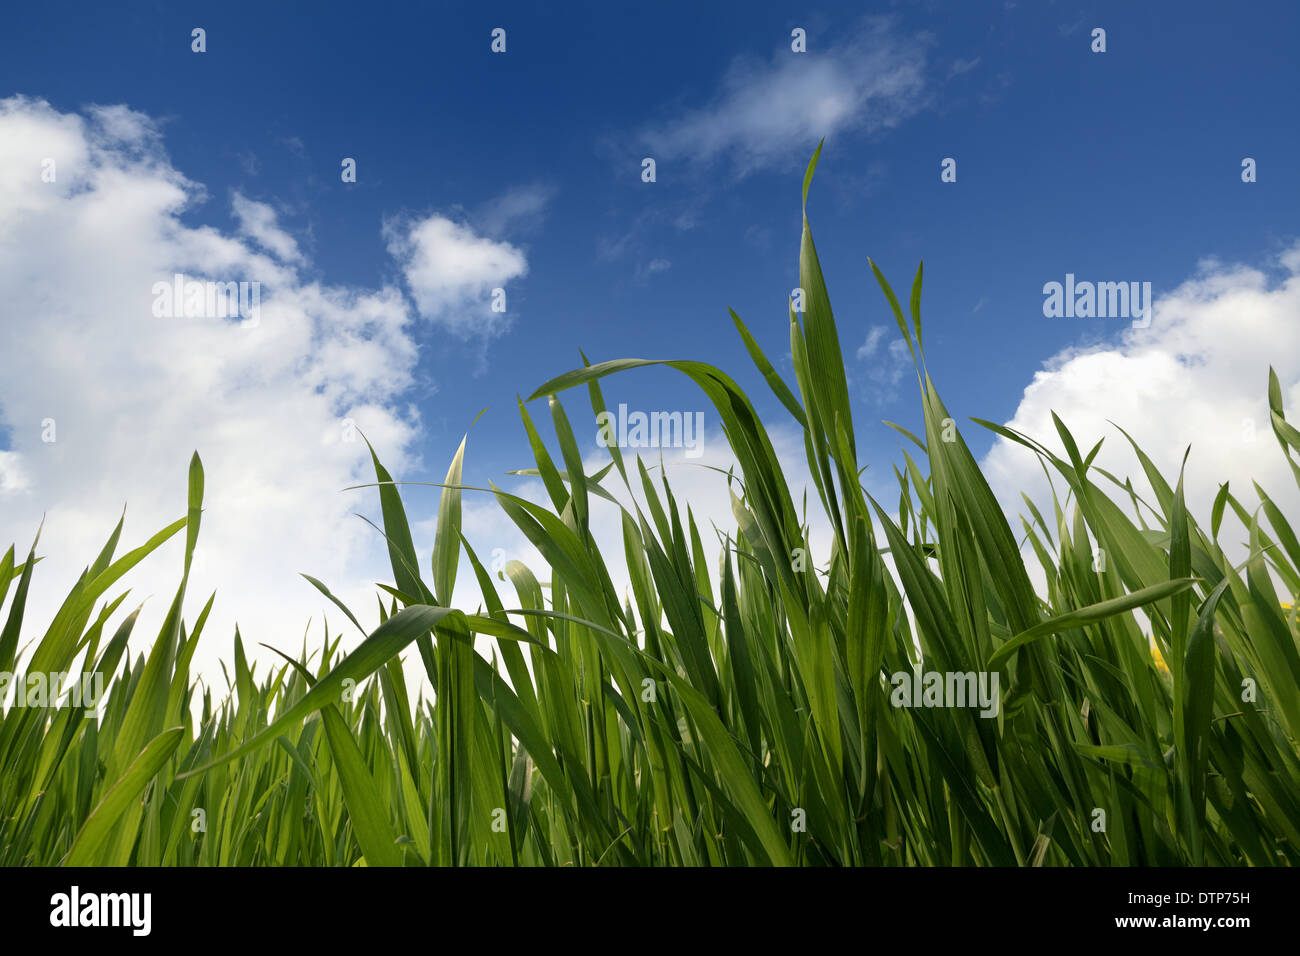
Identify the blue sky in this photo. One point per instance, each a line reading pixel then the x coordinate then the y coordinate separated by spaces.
pixel 1123 164
pixel 1115 166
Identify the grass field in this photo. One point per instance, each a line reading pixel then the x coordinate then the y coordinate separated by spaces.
pixel 1147 706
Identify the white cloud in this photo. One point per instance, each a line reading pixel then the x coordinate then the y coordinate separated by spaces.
pixel 451 272
pixel 257 221
pixel 133 395
pixel 1197 376
pixel 874 337
pixel 645 270
pixel 884 368
pixel 770 114
pixel 12 476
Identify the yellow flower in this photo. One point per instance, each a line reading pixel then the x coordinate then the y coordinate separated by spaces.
pixel 1159 659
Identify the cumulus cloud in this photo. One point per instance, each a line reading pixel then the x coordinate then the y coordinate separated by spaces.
pixel 1197 376
pixel 452 273
pixel 770 113
pixel 127 394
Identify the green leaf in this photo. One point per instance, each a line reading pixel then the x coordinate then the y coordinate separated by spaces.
pixel 120 795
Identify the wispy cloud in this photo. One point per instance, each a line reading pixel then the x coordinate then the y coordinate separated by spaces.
pixel 884 364
pixel 631 242
pixel 1068 29
pixel 516 211
pixel 644 272
pixel 874 337
pixel 770 113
